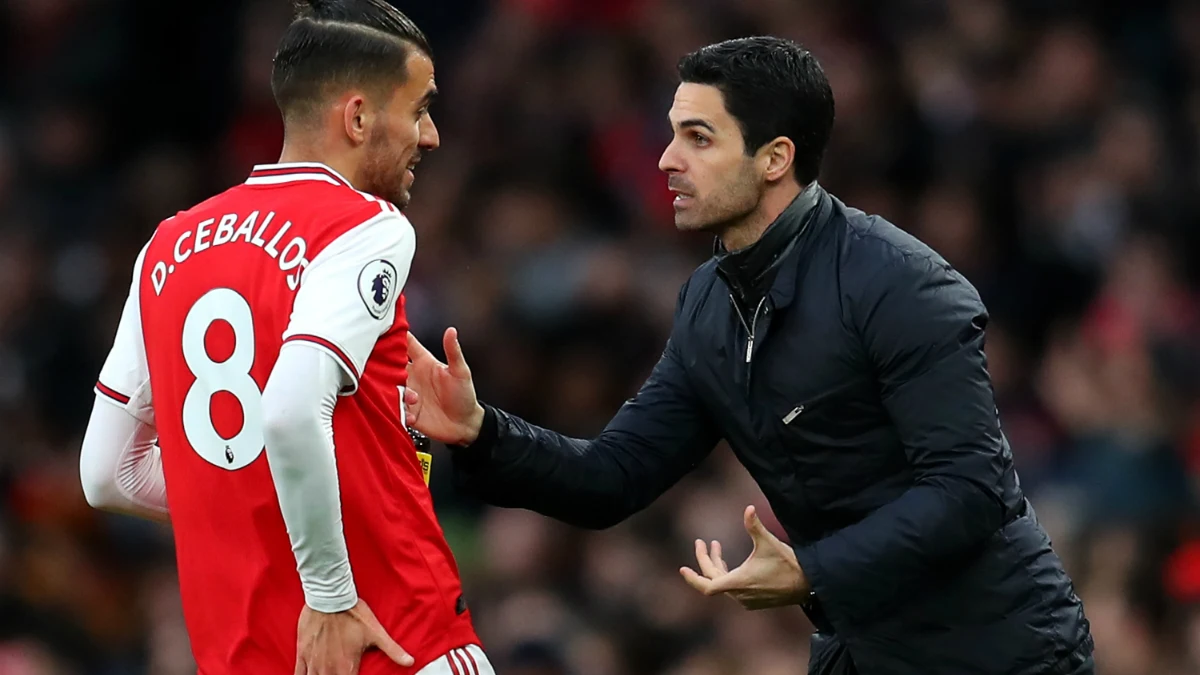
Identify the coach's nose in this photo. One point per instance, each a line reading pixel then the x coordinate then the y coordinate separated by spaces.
pixel 671 161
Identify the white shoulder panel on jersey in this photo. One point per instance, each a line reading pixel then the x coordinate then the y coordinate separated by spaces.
pixel 383 203
pixel 125 377
pixel 347 296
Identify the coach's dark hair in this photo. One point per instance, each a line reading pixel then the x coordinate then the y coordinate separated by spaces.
pixel 362 43
pixel 772 87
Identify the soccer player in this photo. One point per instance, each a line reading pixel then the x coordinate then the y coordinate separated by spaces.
pixel 257 380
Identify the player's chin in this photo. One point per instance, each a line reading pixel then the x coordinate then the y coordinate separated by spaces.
pixel 400 197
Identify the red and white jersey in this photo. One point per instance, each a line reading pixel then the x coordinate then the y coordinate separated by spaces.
pixel 293 254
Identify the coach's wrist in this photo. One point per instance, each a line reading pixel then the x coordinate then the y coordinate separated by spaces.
pixel 474 426
pixel 469 457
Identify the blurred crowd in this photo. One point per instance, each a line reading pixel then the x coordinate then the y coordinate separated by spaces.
pixel 1049 149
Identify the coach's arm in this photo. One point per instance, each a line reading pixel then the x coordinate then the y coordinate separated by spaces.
pixel 656 438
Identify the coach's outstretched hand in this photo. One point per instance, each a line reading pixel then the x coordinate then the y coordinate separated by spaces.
pixel 333 644
pixel 770 577
pixel 440 398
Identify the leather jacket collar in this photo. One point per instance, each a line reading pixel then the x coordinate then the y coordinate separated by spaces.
pixel 750 272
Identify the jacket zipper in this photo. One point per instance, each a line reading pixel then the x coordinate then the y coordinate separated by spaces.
pixel 753 326
pixel 748 326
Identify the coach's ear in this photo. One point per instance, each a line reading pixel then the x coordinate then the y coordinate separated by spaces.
pixel 776 159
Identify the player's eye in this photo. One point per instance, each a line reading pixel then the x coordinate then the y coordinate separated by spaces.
pixel 699 139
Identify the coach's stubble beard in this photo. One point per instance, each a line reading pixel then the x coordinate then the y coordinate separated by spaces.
pixel 727 209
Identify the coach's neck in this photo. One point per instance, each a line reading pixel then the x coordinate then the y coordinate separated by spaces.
pixel 749 230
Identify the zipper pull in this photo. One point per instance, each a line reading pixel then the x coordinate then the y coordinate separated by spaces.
pixel 794 414
pixel 749 348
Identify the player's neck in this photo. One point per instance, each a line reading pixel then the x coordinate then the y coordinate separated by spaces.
pixel 299 153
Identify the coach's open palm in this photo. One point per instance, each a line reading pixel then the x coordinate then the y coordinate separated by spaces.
pixel 333 644
pixel 440 398
pixel 770 577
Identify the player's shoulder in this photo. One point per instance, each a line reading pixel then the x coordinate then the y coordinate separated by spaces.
pixel 311 182
pixel 359 220
pixel 312 199
pixel 384 231
pixel 309 194
pixel 369 208
pixel 321 192
pixel 219 202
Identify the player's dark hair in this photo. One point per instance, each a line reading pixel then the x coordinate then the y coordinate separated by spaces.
pixel 772 87
pixel 348 43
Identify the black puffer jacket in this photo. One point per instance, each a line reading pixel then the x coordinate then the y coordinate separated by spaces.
pixel 843 362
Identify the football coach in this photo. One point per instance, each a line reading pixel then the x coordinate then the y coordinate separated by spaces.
pixel 843 361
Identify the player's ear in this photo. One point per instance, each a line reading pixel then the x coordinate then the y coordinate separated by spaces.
pixel 354 114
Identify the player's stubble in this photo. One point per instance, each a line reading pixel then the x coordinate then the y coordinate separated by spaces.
pixel 385 168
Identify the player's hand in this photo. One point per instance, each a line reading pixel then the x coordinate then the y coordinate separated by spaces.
pixel 770 577
pixel 333 644
pixel 440 398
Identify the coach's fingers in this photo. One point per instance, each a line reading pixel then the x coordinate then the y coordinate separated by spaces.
pixel 696 581
pixel 722 584
pixel 715 552
pixel 736 580
pixel 759 534
pixel 707 567
pixel 753 525
pixel 454 355
pixel 417 353
pixel 412 406
pixel 411 397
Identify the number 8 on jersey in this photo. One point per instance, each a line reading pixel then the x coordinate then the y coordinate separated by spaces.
pixel 230 375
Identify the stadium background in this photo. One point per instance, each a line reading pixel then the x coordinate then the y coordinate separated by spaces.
pixel 1047 148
